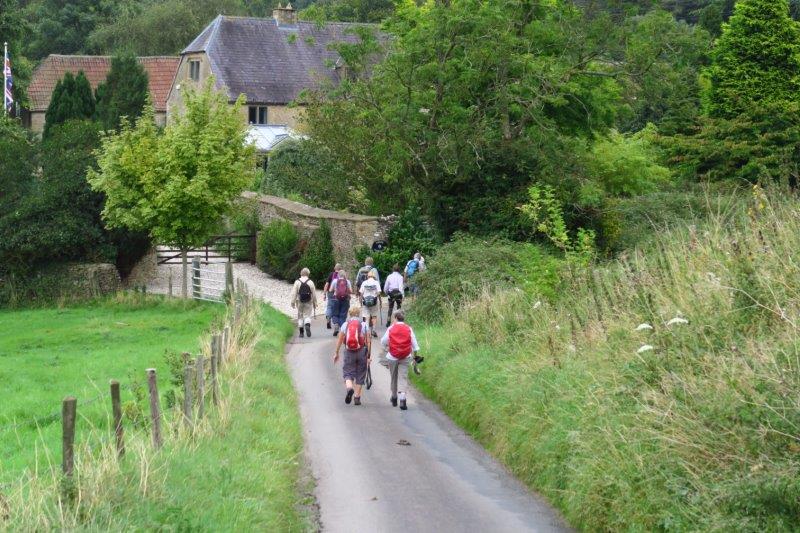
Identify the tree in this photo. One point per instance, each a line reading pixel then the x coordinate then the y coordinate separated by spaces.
pixel 59 218
pixel 473 101
pixel 308 169
pixel 71 99
pixel 176 185
pixel 18 161
pixel 349 10
pixel 756 61
pixel 156 28
pixel 123 94
pixel 63 26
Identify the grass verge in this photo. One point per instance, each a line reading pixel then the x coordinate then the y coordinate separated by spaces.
pixel 657 393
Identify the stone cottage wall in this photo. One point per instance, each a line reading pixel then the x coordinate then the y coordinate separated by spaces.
pixel 348 231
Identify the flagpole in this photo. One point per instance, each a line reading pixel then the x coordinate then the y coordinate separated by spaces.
pixel 5 78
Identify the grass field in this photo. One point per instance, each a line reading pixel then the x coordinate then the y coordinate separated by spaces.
pixel 238 470
pixel 47 354
pixel 658 392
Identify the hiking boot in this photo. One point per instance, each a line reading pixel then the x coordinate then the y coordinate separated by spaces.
pixel 374 333
pixel 302 333
pixel 335 331
pixel 349 396
pixel 329 324
pixel 393 399
pixel 403 406
pixel 308 330
pixel 357 400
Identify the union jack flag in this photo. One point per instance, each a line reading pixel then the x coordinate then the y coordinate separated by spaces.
pixel 8 97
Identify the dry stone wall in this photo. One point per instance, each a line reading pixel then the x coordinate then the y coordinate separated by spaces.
pixel 348 231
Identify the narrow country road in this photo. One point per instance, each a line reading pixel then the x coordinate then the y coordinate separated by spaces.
pixel 368 479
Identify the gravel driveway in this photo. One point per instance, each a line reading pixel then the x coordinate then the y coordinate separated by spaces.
pixel 270 290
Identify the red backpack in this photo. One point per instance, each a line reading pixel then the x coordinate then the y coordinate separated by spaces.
pixel 400 341
pixel 354 335
pixel 342 290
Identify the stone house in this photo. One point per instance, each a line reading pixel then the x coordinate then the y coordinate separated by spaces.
pixel 160 72
pixel 268 60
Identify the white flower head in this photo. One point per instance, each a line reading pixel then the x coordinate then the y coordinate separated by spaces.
pixel 424 110
pixel 644 326
pixel 537 305
pixel 645 348
pixel 677 320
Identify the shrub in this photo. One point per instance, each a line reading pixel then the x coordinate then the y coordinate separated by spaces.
pixel 317 255
pixel 467 267
pixel 411 233
pixel 276 248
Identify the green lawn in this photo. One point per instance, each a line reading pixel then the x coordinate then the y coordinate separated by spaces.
pixel 47 354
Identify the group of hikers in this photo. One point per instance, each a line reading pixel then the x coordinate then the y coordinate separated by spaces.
pixel 355 325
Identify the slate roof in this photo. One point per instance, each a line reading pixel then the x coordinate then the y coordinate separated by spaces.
pixel 267 62
pixel 160 72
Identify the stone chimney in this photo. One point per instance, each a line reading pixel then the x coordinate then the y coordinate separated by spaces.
pixel 285 16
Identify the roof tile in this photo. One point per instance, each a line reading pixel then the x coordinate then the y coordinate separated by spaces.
pixel 160 71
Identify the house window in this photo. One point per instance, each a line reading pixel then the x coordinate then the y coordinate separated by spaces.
pixel 257 114
pixel 194 70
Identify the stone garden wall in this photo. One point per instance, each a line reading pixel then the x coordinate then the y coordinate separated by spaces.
pixel 349 231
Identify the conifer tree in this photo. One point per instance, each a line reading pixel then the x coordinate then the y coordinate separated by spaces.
pixel 123 94
pixel 71 99
pixel 756 60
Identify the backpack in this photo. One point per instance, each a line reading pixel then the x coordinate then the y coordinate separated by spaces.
pixel 370 301
pixel 305 292
pixel 342 290
pixel 363 272
pixel 334 277
pixel 371 291
pixel 400 345
pixel 412 267
pixel 354 335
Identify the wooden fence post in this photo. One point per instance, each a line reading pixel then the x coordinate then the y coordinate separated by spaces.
pixel 155 407
pixel 214 383
pixel 196 283
pixel 188 373
pixel 116 409
pixel 201 386
pixel 68 411
pixel 226 341
pixel 169 281
pixel 229 279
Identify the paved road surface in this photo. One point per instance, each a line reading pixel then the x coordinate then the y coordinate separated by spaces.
pixel 366 481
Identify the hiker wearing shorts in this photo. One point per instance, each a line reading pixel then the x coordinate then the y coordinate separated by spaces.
pixel 327 293
pixel 357 342
pixel 304 299
pixel 341 301
pixel 401 346
pixel 370 293
pixel 394 289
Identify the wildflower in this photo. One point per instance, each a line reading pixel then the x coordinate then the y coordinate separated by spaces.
pixel 537 305
pixel 644 326
pixel 677 320
pixel 424 110
pixel 645 348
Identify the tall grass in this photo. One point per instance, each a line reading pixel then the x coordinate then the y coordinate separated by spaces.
pixel 237 470
pixel 659 392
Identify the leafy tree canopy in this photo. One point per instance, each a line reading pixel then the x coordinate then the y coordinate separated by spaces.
pixel 176 185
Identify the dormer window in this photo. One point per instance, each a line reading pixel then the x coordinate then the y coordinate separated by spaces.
pixel 257 114
pixel 194 70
